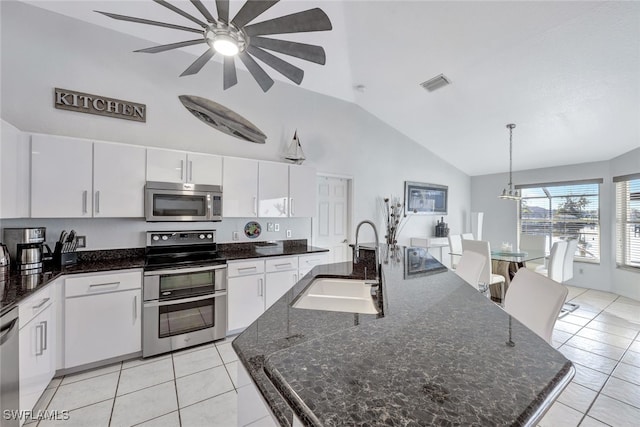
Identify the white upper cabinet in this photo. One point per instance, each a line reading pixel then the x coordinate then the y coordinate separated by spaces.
pixel 273 191
pixel 178 166
pixel 302 191
pixel 61 174
pixel 240 187
pixel 118 180
pixel 14 172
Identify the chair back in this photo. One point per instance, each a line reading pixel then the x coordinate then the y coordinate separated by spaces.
pixel 455 247
pixel 535 301
pixel 483 248
pixel 470 267
pixel 467 236
pixel 567 268
pixel 532 242
pixel 556 261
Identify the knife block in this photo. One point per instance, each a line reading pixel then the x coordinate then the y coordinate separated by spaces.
pixel 64 259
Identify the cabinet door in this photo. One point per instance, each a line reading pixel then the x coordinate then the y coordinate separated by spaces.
pixel 273 189
pixel 302 191
pixel 14 173
pixel 118 180
pixel 240 187
pixel 204 169
pixel 278 284
pixel 166 165
pixel 37 353
pixel 102 326
pixel 61 174
pixel 245 300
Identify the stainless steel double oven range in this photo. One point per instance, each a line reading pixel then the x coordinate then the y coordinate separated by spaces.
pixel 184 291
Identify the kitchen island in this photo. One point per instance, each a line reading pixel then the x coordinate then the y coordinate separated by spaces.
pixel 438 352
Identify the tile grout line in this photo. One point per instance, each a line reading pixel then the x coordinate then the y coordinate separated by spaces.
pixel 175 387
pixel 113 405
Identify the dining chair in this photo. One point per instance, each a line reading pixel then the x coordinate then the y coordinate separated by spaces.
pixel 567 268
pixel 455 247
pixel 468 236
pixel 535 301
pixel 470 267
pixel 533 242
pixel 555 269
pixel 487 278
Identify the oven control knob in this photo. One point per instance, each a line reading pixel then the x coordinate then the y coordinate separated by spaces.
pixel 156 237
pixel 209 236
pixel 201 236
pixel 165 237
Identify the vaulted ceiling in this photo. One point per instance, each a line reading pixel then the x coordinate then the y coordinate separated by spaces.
pixel 567 73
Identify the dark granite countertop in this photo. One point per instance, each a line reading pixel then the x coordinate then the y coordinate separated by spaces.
pixel 16 288
pixel 437 356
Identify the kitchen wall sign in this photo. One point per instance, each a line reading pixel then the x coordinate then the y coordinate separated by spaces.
pixel 81 102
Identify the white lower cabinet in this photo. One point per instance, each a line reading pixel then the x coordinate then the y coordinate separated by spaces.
pixel 307 262
pixel 281 275
pixel 37 345
pixel 245 300
pixel 102 317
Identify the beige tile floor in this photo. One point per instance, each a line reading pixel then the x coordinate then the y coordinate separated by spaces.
pixel 196 387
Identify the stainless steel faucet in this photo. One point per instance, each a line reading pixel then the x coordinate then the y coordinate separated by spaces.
pixel 356 254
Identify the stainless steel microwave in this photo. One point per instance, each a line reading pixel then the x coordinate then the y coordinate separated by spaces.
pixel 170 201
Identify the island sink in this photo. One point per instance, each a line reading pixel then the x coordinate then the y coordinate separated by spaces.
pixel 335 294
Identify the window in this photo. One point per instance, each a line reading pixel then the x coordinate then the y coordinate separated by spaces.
pixel 563 211
pixel 628 220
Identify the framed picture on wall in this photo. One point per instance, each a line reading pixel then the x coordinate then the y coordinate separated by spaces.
pixel 425 199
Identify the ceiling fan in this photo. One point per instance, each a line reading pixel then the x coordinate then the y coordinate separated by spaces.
pixel 234 37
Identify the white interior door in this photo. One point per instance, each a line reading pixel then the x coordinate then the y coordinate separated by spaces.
pixel 331 229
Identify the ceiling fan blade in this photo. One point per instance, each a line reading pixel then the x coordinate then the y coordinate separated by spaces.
pixel 300 22
pixel 203 10
pixel 181 12
pixel 229 72
pixel 250 11
pixel 165 47
pixel 199 63
pixel 148 22
pixel 291 72
pixel 223 10
pixel 256 71
pixel 308 52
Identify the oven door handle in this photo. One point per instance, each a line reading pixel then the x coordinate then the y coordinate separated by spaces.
pixel 169 272
pixel 184 300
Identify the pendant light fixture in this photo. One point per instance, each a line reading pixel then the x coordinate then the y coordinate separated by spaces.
pixel 511 194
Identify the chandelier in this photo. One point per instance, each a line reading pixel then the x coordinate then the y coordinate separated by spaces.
pixel 511 194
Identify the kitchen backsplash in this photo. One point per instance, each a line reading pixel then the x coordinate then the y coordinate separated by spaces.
pixel 117 233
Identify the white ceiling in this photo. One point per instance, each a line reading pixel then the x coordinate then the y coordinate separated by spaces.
pixel 567 73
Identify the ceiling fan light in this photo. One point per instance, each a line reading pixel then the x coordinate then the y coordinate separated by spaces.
pixel 225 45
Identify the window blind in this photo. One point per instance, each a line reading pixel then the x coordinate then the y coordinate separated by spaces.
pixel 563 211
pixel 628 221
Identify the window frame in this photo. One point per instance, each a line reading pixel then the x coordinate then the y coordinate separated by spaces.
pixel 550 233
pixel 623 252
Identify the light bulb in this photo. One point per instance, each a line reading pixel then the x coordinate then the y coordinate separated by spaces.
pixel 225 45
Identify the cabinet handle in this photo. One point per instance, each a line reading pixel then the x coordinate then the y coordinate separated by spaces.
pixel 287 264
pixel 260 287
pixel 97 285
pixel 135 308
pixel 295 278
pixel 44 301
pixel 181 170
pixel 190 170
pixel 292 212
pixel 286 212
pixel 255 205
pixel 84 201
pixel 97 201
pixel 247 269
pixel 39 330
pixel 44 323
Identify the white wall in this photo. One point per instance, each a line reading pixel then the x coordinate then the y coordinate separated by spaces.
pixel 337 137
pixel 500 220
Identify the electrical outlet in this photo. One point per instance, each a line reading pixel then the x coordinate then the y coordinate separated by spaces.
pixel 269 226
pixel 82 241
pixel 288 233
pixel 235 236
pixel 581 271
pixel 277 227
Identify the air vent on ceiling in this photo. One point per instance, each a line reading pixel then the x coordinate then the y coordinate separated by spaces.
pixel 436 83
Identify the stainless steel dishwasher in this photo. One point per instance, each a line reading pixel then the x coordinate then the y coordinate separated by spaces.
pixel 9 363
